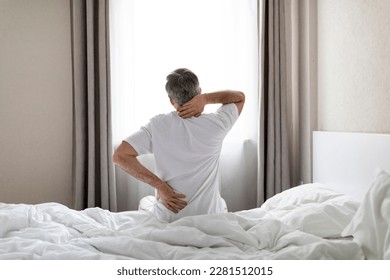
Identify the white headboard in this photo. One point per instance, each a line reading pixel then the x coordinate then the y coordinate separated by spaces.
pixel 346 162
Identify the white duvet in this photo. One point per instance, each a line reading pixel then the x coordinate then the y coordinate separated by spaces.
pixel 370 226
pixel 53 231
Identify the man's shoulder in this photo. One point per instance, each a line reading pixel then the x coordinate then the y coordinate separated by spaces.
pixel 163 118
pixel 164 115
pixel 227 115
pixel 230 107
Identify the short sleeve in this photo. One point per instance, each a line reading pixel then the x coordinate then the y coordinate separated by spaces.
pixel 141 140
pixel 228 114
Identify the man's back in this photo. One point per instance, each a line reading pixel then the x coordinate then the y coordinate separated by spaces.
pixel 186 146
pixel 187 153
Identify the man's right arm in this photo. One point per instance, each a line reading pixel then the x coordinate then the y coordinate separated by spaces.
pixel 196 105
pixel 125 156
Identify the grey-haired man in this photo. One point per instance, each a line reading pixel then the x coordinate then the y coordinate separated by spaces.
pixel 186 145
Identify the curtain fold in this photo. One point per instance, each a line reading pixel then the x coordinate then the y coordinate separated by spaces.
pixel 273 158
pixel 93 170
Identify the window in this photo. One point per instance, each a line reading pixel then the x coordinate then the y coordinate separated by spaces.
pixel 216 39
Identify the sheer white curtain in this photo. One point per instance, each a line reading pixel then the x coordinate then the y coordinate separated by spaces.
pixel 217 39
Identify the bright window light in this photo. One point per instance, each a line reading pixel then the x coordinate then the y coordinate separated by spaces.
pixel 216 39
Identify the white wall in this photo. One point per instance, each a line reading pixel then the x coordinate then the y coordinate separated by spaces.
pixel 354 65
pixel 35 101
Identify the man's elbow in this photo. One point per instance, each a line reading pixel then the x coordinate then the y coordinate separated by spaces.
pixel 242 96
pixel 117 158
pixel 123 154
pixel 240 102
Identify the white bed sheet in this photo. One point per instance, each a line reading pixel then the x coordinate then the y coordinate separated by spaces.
pixel 53 231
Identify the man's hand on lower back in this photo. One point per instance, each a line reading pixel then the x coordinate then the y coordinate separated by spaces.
pixel 171 200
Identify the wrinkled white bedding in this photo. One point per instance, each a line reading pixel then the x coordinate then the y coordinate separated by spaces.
pixel 370 226
pixel 53 231
pixel 313 208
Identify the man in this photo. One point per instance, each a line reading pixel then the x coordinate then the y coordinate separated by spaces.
pixel 186 145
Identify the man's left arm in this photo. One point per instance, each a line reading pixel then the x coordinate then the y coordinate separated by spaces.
pixel 195 106
pixel 125 157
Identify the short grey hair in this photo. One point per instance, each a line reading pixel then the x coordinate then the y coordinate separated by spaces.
pixel 182 85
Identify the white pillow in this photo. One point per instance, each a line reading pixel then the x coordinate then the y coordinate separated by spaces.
pixel 313 208
pixel 303 194
pixel 370 226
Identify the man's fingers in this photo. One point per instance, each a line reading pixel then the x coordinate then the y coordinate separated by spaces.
pixel 179 195
pixel 172 200
pixel 177 207
pixel 174 207
pixel 170 207
pixel 186 112
pixel 186 105
pixel 180 202
pixel 184 108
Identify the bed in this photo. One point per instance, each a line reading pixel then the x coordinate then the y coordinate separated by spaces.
pixel 343 214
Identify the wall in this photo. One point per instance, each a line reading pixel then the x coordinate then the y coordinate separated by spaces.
pixel 35 102
pixel 353 65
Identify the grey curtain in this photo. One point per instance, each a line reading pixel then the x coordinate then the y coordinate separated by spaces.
pixel 93 170
pixel 273 158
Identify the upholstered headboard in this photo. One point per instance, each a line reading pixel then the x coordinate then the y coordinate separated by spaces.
pixel 346 162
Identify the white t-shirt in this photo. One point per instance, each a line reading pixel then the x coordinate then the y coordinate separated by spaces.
pixel 187 154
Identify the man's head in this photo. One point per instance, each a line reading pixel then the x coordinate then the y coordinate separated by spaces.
pixel 182 85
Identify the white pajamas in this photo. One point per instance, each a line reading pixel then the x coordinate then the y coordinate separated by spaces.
pixel 187 154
